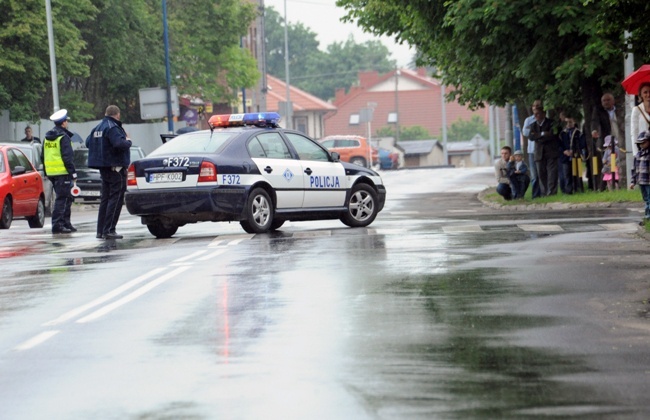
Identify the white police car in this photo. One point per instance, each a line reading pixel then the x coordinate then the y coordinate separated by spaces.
pixel 247 169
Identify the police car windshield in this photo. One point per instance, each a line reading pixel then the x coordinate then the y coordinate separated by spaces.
pixel 195 142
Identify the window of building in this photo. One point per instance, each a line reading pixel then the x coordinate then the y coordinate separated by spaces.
pixel 354 119
pixel 392 118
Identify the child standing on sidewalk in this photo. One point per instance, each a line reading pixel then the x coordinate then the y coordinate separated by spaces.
pixel 610 169
pixel 641 171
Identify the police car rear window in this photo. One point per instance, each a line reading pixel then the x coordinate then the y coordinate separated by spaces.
pixel 196 142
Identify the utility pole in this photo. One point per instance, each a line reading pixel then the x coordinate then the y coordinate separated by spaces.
pixel 50 38
pixel 289 110
pixel 170 115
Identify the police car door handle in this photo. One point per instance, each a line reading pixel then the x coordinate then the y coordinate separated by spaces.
pixel 308 171
pixel 268 169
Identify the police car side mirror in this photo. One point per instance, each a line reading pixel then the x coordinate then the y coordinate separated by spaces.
pixel 18 170
pixel 336 157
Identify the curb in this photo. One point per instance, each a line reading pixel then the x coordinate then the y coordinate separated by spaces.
pixel 641 231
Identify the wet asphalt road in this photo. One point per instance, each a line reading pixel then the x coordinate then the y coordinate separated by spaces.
pixel 443 308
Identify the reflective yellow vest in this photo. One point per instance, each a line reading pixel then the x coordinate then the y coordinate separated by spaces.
pixel 52 157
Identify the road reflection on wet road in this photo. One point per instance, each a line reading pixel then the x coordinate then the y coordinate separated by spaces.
pixel 442 308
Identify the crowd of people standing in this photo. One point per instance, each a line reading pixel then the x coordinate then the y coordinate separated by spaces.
pixel 559 156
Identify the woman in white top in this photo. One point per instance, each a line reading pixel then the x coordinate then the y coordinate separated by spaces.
pixel 641 113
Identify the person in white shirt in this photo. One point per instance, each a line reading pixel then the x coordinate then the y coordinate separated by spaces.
pixel 641 113
pixel 530 150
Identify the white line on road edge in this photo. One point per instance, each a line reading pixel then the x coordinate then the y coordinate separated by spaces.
pixel 131 296
pixel 188 257
pixel 110 295
pixel 36 340
pixel 214 254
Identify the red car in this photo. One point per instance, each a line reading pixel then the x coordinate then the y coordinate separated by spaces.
pixel 21 189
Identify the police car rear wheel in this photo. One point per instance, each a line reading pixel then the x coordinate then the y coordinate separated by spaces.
pixel 362 206
pixel 259 212
pixel 38 220
pixel 7 214
pixel 161 230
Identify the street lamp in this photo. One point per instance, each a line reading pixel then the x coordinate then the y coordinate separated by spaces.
pixel 397 74
pixel 170 116
pixel 50 38
pixel 289 110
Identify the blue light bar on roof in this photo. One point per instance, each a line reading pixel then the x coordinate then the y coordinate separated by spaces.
pixel 259 119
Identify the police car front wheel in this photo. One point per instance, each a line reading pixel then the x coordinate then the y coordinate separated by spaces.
pixel 362 206
pixel 258 215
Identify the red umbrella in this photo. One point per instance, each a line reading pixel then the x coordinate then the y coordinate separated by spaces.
pixel 633 82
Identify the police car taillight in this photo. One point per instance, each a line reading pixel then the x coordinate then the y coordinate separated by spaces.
pixel 207 172
pixel 259 119
pixel 130 176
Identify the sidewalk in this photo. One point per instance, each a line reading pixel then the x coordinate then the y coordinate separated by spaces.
pixel 641 231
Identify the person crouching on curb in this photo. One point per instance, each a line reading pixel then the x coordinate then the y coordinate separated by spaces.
pixel 518 175
pixel 641 172
pixel 501 172
pixel 58 161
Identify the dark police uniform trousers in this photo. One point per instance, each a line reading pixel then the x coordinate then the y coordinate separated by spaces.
pixel 63 202
pixel 112 198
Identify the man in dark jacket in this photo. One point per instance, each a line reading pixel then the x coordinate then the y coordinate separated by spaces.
pixel 547 151
pixel 607 119
pixel 58 160
pixel 108 150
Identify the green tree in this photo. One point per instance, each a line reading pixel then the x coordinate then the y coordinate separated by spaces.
pixel 501 51
pixel 339 67
pixel 25 77
pixel 462 130
pixel 124 43
pixel 319 72
pixel 207 60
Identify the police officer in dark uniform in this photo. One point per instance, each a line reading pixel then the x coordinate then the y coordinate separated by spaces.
pixel 58 160
pixel 109 151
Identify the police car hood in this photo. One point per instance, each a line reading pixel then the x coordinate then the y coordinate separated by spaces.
pixel 353 169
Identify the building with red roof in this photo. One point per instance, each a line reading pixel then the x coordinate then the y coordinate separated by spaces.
pixel 406 97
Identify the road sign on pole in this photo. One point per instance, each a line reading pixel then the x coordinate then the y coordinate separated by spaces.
pixel 153 103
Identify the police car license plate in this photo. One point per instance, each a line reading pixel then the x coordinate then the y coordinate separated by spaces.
pixel 92 193
pixel 166 177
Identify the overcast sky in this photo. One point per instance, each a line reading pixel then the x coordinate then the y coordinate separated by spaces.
pixel 323 18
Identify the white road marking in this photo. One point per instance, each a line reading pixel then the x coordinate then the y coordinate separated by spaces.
pixel 620 226
pixel 541 228
pixel 462 229
pixel 131 296
pixel 36 340
pixel 108 296
pixel 212 255
pixel 189 257
pixel 462 211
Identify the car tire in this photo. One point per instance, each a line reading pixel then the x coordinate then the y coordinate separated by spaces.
pixel 361 206
pixel 277 224
pixel 7 215
pixel 161 230
pixel 38 220
pixel 258 214
pixel 357 160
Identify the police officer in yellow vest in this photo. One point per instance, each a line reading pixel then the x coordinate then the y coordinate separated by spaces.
pixel 58 158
